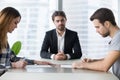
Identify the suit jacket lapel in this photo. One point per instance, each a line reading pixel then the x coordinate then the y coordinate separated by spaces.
pixel 66 39
pixel 55 42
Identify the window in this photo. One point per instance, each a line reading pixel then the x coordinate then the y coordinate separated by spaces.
pixel 93 45
pixel 35 21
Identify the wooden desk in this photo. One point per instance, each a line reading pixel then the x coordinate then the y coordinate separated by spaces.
pixel 62 72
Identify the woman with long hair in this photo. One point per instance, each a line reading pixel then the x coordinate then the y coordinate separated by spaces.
pixel 9 19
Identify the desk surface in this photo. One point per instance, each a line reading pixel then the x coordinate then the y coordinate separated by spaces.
pixel 60 72
pixel 60 62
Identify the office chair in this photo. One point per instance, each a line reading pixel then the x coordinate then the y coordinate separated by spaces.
pixel 16 47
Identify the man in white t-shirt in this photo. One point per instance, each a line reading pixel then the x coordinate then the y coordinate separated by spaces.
pixel 104 22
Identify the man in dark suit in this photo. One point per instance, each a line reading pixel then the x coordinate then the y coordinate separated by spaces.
pixel 61 43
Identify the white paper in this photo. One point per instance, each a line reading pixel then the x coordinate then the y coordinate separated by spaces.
pixel 66 66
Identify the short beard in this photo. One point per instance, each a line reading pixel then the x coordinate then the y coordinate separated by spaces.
pixel 61 28
pixel 105 35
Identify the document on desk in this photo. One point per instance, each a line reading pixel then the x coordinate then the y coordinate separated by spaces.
pixel 66 66
pixel 37 66
pixel 48 68
pixel 62 66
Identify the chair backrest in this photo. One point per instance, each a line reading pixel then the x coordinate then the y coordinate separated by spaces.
pixel 16 47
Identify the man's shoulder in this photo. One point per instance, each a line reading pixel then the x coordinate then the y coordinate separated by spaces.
pixel 50 31
pixel 117 35
pixel 71 31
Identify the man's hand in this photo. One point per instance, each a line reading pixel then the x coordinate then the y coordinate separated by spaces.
pixel 60 56
pixel 78 64
pixel 87 60
pixel 82 63
pixel 19 64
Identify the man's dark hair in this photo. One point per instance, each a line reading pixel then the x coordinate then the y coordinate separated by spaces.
pixel 104 14
pixel 58 13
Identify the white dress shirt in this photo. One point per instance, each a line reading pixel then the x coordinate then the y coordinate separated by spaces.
pixel 61 40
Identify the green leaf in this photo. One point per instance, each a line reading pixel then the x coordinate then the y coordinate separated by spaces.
pixel 16 47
